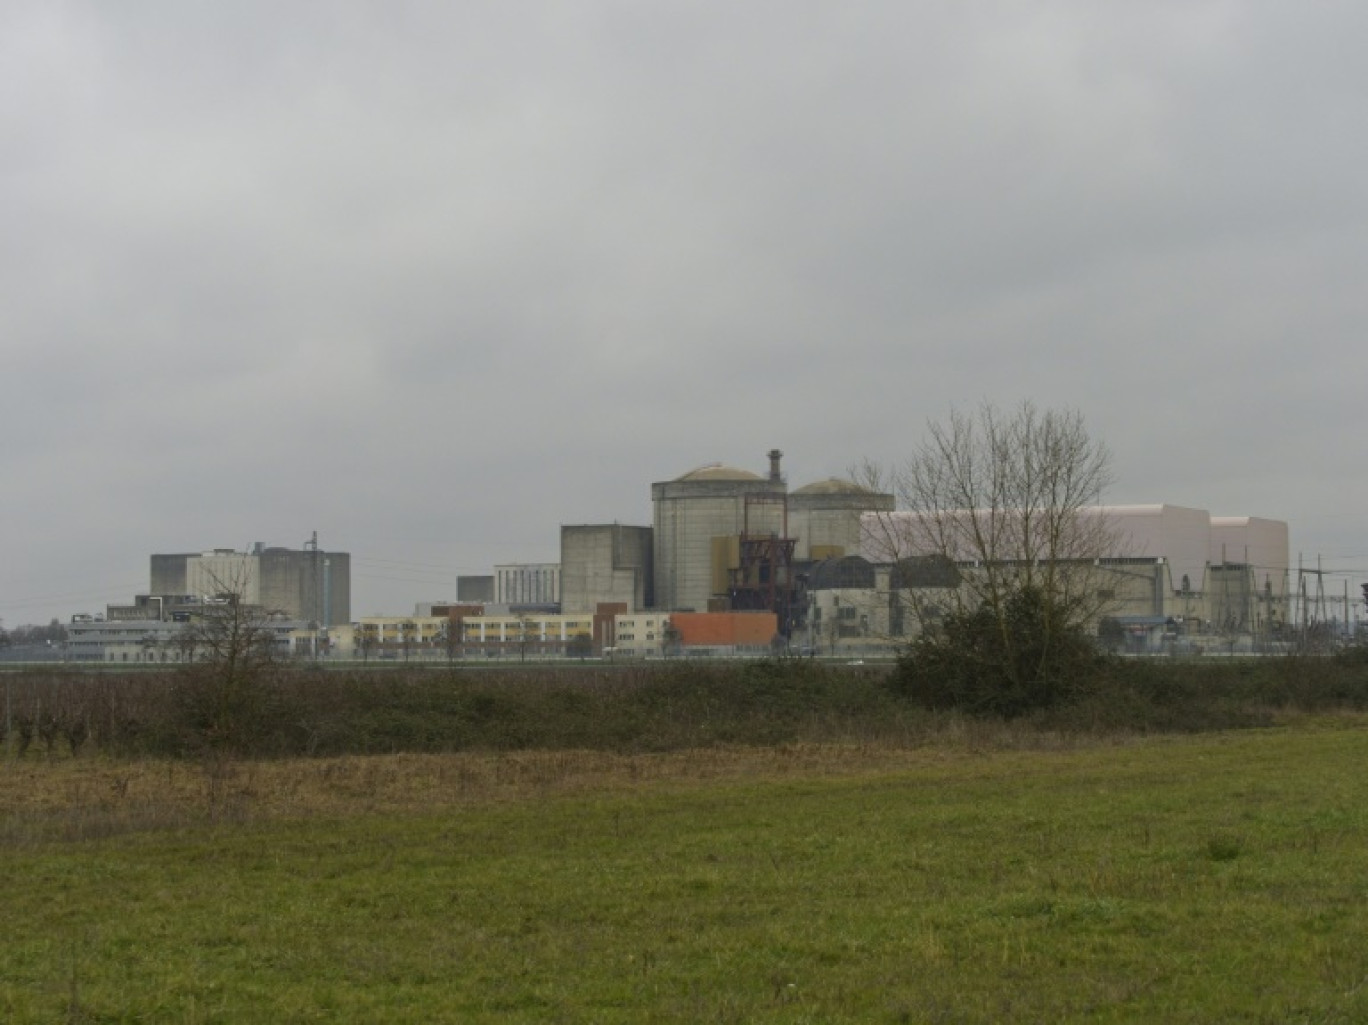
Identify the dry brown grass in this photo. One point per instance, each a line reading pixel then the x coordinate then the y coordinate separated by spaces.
pixel 401 783
pixel 45 799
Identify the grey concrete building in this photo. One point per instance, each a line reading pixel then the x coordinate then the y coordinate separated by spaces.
pixel 698 518
pixel 824 517
pixel 606 563
pixel 475 589
pixel 310 585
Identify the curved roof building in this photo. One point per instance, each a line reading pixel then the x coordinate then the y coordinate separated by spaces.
pixel 716 473
pixel 697 517
pixel 700 517
pixel 825 517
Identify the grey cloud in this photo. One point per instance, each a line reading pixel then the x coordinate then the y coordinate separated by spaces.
pixel 433 280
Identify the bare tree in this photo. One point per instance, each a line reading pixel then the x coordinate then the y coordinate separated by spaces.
pixel 525 636
pixel 581 646
pixel 365 638
pixel 1013 500
pixel 670 639
pixel 449 637
pixel 230 647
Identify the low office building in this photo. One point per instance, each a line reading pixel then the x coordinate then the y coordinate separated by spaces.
pixel 640 634
pixel 145 641
pixel 159 642
pixel 527 636
pixel 464 634
pixel 394 637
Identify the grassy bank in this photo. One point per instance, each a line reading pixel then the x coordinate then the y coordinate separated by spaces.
pixel 981 877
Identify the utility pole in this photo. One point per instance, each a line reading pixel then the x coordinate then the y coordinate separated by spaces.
pixel 315 622
pixel 1320 588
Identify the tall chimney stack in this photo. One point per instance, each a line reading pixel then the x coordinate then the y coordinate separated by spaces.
pixel 774 456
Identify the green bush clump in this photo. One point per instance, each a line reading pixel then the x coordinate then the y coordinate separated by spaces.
pixel 292 711
pixel 1005 663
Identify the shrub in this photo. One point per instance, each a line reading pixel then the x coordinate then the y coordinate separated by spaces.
pixel 1005 664
pixel 289 710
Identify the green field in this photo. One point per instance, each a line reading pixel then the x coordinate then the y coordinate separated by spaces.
pixel 1220 877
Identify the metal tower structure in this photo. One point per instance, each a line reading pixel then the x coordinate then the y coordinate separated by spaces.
pixel 765 581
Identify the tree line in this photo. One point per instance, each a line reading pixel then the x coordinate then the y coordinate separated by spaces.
pixel 32 635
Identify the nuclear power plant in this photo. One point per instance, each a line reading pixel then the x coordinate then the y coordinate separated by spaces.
pixel 727 539
pixel 722 539
pixel 734 562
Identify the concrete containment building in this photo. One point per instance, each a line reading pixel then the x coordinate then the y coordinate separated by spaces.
pixel 825 517
pixel 728 536
pixel 606 564
pixel 698 519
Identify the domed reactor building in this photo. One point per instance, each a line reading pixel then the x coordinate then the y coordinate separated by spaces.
pixel 825 517
pixel 727 538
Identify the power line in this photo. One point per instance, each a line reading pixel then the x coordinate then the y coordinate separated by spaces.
pixel 115 590
pixel 425 566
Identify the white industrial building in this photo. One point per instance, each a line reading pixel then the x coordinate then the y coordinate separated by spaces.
pixel 528 583
pixel 1168 568
pixel 153 641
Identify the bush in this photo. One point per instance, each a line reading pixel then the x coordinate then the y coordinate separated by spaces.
pixel 287 711
pixel 1006 665
pixel 1158 696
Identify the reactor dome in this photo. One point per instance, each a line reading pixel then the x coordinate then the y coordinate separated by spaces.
pixel 720 472
pixel 832 486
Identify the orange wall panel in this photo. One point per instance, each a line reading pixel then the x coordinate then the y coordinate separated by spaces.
pixel 724 629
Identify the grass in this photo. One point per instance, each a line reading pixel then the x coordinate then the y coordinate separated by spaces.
pixel 985 877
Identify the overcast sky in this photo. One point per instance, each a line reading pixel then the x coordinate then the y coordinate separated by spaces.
pixel 434 279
